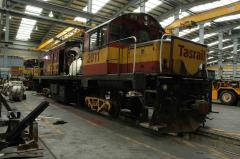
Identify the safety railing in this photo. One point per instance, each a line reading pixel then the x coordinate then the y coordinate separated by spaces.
pixel 161 48
pixel 134 51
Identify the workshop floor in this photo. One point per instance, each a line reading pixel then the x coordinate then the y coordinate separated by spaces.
pixel 89 136
pixel 226 118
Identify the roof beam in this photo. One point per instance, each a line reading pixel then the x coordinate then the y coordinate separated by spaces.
pixel 54 25
pixel 219 28
pixel 42 18
pixel 223 28
pixel 129 4
pixel 183 8
pixel 62 9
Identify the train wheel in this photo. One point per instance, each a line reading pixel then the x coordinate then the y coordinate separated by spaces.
pixel 228 98
pixel 115 109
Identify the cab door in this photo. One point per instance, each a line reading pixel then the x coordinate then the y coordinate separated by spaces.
pixel 95 56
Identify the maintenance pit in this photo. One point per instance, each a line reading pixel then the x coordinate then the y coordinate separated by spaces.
pixel 66 131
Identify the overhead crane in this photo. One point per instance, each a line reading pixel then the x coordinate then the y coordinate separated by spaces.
pixel 204 16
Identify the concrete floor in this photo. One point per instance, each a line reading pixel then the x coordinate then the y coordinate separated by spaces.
pixel 227 119
pixel 88 136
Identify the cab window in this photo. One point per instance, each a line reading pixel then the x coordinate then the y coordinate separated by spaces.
pixel 93 40
pixel 104 35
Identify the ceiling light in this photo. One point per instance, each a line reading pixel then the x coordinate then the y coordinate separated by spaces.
pixel 51 14
pixel 212 62
pixel 227 47
pixel 33 10
pixel 188 31
pixel 211 57
pixel 236 28
pixel 205 36
pixel 216 42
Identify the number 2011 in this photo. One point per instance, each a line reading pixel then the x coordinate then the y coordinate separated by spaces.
pixel 92 57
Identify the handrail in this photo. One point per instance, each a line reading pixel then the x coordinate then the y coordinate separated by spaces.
pixel 72 65
pixel 160 54
pixel 134 51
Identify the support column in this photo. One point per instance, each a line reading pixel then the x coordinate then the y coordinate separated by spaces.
pixel 6 39
pixel 176 17
pixel 220 46
pixel 89 9
pixel 1 20
pixel 142 6
pixel 235 47
pixel 201 33
pixel 5 60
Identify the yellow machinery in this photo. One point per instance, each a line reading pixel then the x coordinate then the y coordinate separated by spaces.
pixel 226 91
pixel 204 16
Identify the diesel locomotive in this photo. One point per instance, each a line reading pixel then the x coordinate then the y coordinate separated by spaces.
pixel 128 66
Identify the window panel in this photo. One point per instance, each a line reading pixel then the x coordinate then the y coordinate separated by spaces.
pixel 93 41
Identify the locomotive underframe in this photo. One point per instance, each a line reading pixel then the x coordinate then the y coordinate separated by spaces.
pixel 168 103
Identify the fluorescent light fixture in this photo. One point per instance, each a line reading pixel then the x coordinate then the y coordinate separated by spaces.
pixel 213 43
pixel 216 42
pixel 96 5
pixel 188 31
pixel 169 20
pixel 227 47
pixel 212 5
pixel 80 19
pixel 33 10
pixel 149 5
pixel 212 62
pixel 236 28
pixel 211 57
pixel 205 36
pixel 230 57
pixel 227 18
pixel 210 52
pixel 27 25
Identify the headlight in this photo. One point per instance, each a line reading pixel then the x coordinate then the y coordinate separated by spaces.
pixel 164 87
